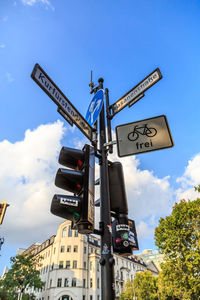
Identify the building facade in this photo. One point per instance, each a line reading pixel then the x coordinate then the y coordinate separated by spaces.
pixel 148 256
pixel 70 266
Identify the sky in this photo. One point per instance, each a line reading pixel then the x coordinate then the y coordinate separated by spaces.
pixel 122 42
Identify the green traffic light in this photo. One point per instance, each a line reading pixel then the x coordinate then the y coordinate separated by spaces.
pixel 76 216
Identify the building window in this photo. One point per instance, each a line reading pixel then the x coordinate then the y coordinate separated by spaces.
pixel 90 282
pixel 98 297
pixel 68 248
pixel 98 283
pixel 67 264
pixel 90 265
pixel 76 233
pixel 84 281
pixel 62 249
pixel 91 297
pixel 75 248
pixel 50 283
pixel 85 250
pixel 54 250
pixel 73 281
pixel 83 297
pixel 97 266
pixel 59 283
pixel 74 264
pixel 84 265
pixel 66 282
pixel 52 266
pixel 69 231
pixel 64 232
pixel 60 264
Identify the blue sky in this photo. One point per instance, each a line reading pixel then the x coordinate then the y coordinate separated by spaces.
pixel 122 42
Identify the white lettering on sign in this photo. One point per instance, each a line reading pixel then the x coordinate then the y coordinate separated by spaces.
pixel 136 91
pixel 68 201
pixel 122 227
pixel 61 100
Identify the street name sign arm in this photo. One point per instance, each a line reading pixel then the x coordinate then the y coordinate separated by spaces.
pixel 137 92
pixel 51 89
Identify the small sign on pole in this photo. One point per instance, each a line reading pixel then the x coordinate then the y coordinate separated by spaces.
pixel 95 107
pixel 143 136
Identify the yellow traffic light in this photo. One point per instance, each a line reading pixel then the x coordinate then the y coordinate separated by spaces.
pixel 3 206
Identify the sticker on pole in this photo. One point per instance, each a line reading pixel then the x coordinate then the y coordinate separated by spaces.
pixel 143 136
pixel 94 108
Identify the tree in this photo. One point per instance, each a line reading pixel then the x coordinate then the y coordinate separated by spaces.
pixel 23 274
pixel 178 238
pixel 128 293
pixel 145 286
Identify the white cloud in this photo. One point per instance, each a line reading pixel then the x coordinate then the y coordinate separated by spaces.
pixel 46 3
pixel 9 77
pixel 27 172
pixel 2 46
pixel 190 178
pixel 144 230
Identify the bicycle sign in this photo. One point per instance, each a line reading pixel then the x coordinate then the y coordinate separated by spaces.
pixel 142 130
pixel 143 136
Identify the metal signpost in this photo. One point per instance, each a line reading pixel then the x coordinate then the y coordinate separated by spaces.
pixel 132 138
pixel 143 136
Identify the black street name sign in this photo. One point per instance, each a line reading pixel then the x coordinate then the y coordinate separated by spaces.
pixel 143 136
pixel 51 89
pixel 137 92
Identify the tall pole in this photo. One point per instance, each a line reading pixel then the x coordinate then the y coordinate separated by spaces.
pixel 107 260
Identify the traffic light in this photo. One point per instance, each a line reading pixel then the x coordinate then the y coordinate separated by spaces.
pixel 3 206
pixel 79 179
pixel 118 200
pixel 124 236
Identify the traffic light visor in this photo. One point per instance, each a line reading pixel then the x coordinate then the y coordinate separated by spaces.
pixel 71 158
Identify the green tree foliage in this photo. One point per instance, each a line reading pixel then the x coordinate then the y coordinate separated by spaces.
pixel 146 286
pixel 178 238
pixel 23 274
pixel 128 292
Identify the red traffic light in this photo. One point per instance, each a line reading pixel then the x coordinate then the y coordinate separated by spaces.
pixel 71 158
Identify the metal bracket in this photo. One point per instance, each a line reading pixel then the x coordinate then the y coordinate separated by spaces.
pixel 110 143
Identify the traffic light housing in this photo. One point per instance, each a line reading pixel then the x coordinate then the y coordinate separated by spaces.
pixel 3 206
pixel 79 179
pixel 118 200
pixel 124 236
